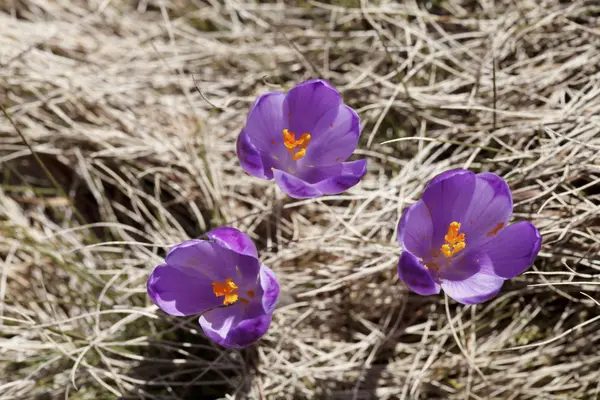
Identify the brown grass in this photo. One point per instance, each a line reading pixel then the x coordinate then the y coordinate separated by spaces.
pixel 131 159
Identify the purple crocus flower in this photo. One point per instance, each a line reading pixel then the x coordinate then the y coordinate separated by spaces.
pixel 221 279
pixel 456 238
pixel 302 139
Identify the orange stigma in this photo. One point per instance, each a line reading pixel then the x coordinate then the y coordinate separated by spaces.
pixel 228 289
pixel 455 242
pixel 290 142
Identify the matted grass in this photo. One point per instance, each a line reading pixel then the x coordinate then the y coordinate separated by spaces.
pixel 103 93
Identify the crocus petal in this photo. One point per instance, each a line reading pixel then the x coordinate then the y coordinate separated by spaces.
pixel 234 326
pixel 265 124
pixel 333 142
pixel 513 250
pixel 463 266
pixel 447 174
pixel 295 187
pixel 489 211
pixel 180 293
pixel 307 103
pixel 209 259
pixel 251 160
pixel 448 197
pixel 414 275
pixel 319 181
pixel 476 289
pixel 217 323
pixel 415 230
pixel 183 245
pixel 188 256
pixel 233 239
pixel 270 287
pixel 339 178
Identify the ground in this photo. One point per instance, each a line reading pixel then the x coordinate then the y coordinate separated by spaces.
pixel 112 154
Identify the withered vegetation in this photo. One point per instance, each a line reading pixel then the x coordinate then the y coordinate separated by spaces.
pixel 113 156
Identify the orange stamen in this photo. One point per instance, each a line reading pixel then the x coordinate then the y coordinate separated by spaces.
pixel 290 142
pixel 301 153
pixel 455 242
pixel 228 289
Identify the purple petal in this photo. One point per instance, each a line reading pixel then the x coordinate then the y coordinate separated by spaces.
pixel 415 230
pixel 178 293
pixel 183 245
pixel 307 103
pixel 463 266
pixel 270 287
pixel 319 181
pixel 476 289
pixel 265 124
pixel 489 211
pixel 448 197
pixel 333 142
pixel 339 178
pixel 250 158
pixel 248 332
pixel 295 187
pixel 217 323
pixel 233 239
pixel 235 326
pixel 513 250
pixel 447 174
pixel 414 275
pixel 200 258
pixel 210 259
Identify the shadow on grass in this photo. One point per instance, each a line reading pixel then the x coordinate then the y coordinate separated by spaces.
pixel 183 364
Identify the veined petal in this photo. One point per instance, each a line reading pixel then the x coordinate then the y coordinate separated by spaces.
pixel 235 326
pixel 339 178
pixel 489 211
pixel 178 293
pixel 295 187
pixel 251 159
pixel 184 245
pixel 474 290
pixel 447 198
pixel 445 175
pixel 270 287
pixel 217 323
pixel 415 276
pixel 307 103
pixel 415 230
pixel 334 137
pixel 246 264
pixel 512 251
pixel 214 261
pixel 319 181
pixel 265 125
pixel 203 258
pixel 233 239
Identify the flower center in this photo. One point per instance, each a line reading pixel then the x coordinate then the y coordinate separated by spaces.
pixel 455 242
pixel 290 142
pixel 228 289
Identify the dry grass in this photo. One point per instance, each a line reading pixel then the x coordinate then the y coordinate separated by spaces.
pixel 103 93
